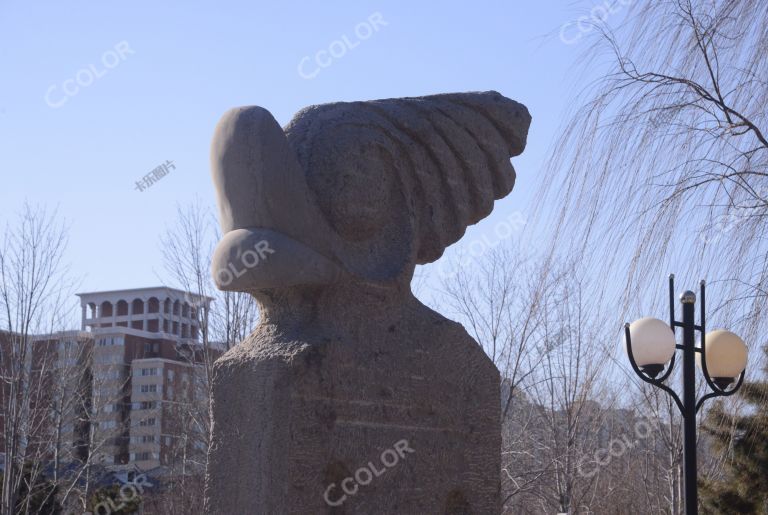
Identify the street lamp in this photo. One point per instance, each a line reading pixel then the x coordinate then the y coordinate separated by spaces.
pixel 650 344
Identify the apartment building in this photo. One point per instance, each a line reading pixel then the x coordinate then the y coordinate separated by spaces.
pixel 60 395
pixel 147 374
pixel 45 394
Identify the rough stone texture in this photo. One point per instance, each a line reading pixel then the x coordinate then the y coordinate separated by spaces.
pixel 346 362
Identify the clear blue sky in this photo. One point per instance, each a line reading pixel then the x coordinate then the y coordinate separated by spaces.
pixel 191 61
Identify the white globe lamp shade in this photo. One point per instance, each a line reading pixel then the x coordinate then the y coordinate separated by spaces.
pixel 653 344
pixel 726 356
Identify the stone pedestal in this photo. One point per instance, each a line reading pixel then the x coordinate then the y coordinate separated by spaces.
pixel 411 415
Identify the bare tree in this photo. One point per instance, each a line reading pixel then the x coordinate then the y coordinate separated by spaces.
pixel 33 289
pixel 574 441
pixel 667 159
pixel 187 248
pixel 48 408
pixel 58 445
pixel 567 384
pixel 535 325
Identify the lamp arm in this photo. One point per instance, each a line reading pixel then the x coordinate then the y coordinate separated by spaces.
pixel 702 351
pixel 674 396
pixel 704 398
pixel 672 302
pixel 655 382
pixel 720 392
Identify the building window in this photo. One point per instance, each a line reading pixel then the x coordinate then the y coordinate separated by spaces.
pixel 149 371
pixel 112 408
pixel 151 347
pixel 148 421
pixel 104 342
pixel 170 375
pixel 110 374
pixel 148 388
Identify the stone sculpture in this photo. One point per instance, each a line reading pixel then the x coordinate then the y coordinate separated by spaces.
pixel 351 396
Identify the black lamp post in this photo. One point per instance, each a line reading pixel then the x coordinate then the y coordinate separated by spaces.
pixel 651 346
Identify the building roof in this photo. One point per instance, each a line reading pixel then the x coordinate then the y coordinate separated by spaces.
pixel 146 290
pixel 62 335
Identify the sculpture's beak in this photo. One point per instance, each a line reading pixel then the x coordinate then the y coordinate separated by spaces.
pixel 274 235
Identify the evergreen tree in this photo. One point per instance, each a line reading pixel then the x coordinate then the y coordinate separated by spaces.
pixel 743 487
pixel 36 494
